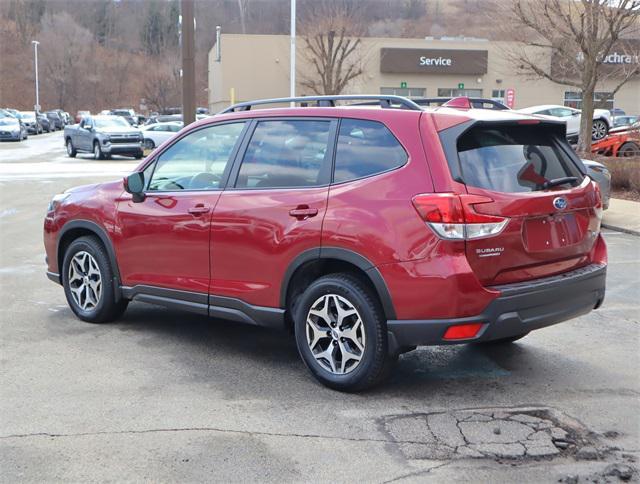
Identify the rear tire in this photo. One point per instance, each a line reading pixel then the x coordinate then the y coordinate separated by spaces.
pixel 501 341
pixel 628 149
pixel 341 333
pixel 599 130
pixel 87 277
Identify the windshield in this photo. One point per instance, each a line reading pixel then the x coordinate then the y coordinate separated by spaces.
pixel 111 122
pixel 511 158
pixel 8 121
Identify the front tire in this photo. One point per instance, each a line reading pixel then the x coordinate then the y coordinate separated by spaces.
pixel 599 130
pixel 71 151
pixel 149 144
pixel 87 277
pixel 97 151
pixel 341 333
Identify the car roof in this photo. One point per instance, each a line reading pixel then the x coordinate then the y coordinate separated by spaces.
pixel 444 116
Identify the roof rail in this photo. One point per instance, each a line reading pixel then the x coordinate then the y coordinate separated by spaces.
pixel 386 101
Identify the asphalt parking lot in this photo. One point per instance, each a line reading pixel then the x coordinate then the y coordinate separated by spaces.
pixel 166 396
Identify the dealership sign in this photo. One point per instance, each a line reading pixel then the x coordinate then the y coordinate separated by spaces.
pixel 510 98
pixel 433 61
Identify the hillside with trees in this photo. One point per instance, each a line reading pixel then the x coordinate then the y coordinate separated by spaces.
pixel 101 54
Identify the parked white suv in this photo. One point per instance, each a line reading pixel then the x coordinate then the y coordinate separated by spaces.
pixel 602 119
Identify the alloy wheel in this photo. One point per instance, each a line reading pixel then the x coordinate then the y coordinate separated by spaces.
pixel 599 129
pixel 69 147
pixel 85 281
pixel 335 334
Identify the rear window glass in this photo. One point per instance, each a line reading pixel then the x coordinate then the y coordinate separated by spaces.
pixel 366 148
pixel 513 158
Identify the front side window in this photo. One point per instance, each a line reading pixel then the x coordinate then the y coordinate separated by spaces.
pixel 197 161
pixel 366 148
pixel 286 154
pixel 513 158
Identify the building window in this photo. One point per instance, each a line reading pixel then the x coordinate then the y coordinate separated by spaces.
pixel 404 91
pixel 498 95
pixel 601 99
pixel 452 92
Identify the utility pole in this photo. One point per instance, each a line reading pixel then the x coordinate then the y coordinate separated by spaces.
pixel 292 87
pixel 188 62
pixel 35 43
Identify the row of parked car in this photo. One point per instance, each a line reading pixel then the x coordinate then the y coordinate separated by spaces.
pixel 18 125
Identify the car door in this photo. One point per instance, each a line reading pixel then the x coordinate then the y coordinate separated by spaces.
pixel 273 209
pixel 81 142
pixel 164 240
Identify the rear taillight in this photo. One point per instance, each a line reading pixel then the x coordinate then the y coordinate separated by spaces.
pixel 453 217
pixel 598 207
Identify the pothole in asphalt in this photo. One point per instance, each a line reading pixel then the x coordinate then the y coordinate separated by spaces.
pixel 521 433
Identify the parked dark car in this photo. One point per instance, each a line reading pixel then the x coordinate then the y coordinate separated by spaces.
pixel 476 102
pixel 44 122
pixel 55 120
pixel 127 114
pixel 363 232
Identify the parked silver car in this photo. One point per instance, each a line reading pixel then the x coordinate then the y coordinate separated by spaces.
pixel 601 175
pixel 12 129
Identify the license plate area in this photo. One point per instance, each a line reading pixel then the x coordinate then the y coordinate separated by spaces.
pixel 552 232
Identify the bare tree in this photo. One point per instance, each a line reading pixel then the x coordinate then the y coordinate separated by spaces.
pixel 67 48
pixel 331 33
pixel 581 35
pixel 162 89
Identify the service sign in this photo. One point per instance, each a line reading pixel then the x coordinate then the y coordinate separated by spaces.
pixel 433 61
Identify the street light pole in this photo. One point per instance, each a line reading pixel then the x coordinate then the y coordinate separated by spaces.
pixel 292 87
pixel 188 62
pixel 35 48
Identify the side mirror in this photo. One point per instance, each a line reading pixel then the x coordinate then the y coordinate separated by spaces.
pixel 575 113
pixel 134 184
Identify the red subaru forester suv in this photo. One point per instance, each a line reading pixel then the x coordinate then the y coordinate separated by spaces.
pixel 365 229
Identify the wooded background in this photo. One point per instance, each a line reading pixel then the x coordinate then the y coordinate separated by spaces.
pixel 99 54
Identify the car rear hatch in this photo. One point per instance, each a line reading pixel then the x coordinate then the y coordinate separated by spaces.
pixel 524 179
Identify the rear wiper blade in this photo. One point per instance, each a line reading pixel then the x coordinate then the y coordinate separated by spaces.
pixel 559 181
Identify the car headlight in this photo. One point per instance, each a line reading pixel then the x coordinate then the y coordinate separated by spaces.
pixel 56 201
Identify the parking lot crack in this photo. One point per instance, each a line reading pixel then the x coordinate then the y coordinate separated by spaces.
pixel 201 429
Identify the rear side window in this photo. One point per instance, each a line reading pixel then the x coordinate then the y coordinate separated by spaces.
pixel 286 154
pixel 366 148
pixel 513 158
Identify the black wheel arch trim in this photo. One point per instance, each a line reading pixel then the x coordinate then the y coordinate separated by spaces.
pixel 346 255
pixel 102 234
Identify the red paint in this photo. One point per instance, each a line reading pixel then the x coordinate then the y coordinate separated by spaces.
pixel 239 243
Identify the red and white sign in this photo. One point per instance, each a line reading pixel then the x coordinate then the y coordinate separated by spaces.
pixel 510 98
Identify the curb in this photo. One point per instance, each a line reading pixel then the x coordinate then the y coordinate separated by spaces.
pixel 621 229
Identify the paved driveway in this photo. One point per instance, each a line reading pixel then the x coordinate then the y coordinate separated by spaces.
pixel 167 396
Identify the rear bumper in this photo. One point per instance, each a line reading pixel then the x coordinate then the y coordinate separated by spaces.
pixel 520 308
